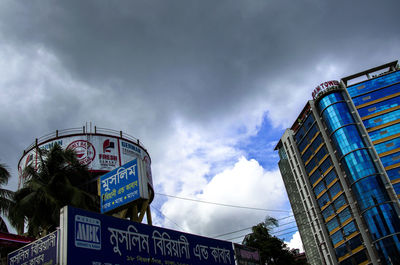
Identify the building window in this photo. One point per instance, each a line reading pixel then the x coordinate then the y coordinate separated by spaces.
pixel 335 189
pixel 358 164
pixel 337 237
pixel 395 158
pixel 349 229
pixel 383 132
pixel 360 257
pixel 377 94
pixel 344 215
pixel 393 173
pixel 396 188
pixel 332 224
pixel 370 191
pixel 325 165
pixel 355 242
pixel 330 177
pixel 319 188
pixel 389 144
pixel 380 106
pixel 382 119
pixel 339 202
pixel 341 250
pixel 314 177
pixel 346 262
pixel 388 131
pixel 323 200
pixel 328 212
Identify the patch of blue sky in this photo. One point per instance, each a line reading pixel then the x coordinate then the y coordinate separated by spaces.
pixel 261 146
pixel 220 164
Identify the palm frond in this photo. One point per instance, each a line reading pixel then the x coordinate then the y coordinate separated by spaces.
pixel 4 175
pixel 56 182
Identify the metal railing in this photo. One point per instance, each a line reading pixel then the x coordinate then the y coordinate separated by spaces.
pixel 82 130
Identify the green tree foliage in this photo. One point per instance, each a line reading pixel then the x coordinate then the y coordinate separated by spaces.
pixel 55 183
pixel 273 251
pixel 5 197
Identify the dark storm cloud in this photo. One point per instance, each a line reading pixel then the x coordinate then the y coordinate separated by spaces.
pixel 187 56
pixel 201 60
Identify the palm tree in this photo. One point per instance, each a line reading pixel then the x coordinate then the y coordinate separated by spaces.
pixel 57 181
pixel 5 197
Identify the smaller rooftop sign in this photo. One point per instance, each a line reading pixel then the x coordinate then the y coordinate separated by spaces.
pixel 326 86
pixel 120 186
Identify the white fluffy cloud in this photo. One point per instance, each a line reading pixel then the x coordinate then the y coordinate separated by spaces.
pixel 245 183
pixel 296 242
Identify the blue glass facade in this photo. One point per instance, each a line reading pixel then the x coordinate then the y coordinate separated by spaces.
pixel 391 160
pixel 387 146
pixel 348 140
pixel 363 177
pixel 380 113
pixel 386 132
pixel 325 184
pixel 373 84
pixel 379 107
pixel 382 119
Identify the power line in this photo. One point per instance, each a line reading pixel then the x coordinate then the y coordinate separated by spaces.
pixel 286 223
pixel 276 233
pixel 234 206
pixel 285 229
pixel 236 237
pixel 167 217
pixel 271 234
pixel 252 227
pixel 217 236
pixel 244 229
pixel 287 233
pixel 222 204
pixel 225 233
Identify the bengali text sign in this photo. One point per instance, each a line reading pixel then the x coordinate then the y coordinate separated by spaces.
pixel 100 239
pixel 120 186
pixel 41 251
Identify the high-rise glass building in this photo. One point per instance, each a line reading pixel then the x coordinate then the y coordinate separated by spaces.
pixel 340 162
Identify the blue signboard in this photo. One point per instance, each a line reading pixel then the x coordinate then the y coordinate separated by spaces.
pixel 119 187
pixel 98 239
pixel 41 251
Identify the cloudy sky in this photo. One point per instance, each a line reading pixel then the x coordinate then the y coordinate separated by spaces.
pixel 207 86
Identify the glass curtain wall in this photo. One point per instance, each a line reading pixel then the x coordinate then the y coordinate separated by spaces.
pixel 363 177
pixel 377 101
pixel 326 188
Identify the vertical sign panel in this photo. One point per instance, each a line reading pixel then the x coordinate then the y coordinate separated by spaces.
pixel 120 186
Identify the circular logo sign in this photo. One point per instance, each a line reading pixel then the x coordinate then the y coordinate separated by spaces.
pixel 84 151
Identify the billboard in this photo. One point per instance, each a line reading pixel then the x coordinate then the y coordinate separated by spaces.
pixel 92 238
pixel 41 251
pixel 120 187
pixel 246 255
pixel 101 153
